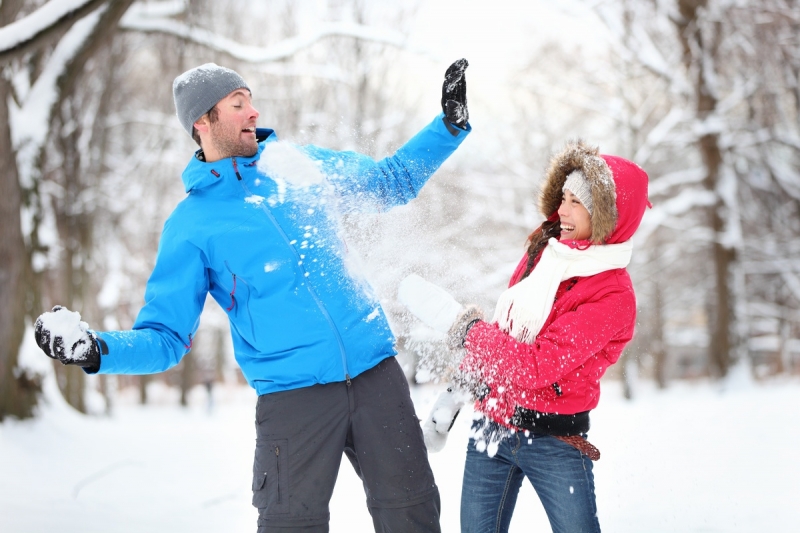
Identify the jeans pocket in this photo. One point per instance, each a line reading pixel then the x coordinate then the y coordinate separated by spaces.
pixel 270 475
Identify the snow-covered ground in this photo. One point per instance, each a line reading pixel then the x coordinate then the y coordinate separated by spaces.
pixel 700 457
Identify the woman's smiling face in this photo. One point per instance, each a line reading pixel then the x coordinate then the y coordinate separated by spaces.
pixel 576 222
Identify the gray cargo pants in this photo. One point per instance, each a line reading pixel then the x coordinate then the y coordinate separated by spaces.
pixel 302 433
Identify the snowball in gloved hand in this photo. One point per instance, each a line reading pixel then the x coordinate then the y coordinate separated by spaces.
pixel 62 335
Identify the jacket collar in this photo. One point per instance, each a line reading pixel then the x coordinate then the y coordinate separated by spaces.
pixel 199 174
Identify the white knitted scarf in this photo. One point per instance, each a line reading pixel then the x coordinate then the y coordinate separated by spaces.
pixel 522 309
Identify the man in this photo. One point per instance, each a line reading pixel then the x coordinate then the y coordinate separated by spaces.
pixel 258 230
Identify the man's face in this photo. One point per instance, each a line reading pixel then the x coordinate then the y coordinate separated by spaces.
pixel 233 133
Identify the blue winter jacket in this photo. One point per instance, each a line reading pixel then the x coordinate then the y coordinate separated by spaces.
pixel 267 250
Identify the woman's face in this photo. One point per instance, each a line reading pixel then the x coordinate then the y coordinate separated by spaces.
pixel 576 223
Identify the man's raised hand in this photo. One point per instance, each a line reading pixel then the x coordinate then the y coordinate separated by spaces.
pixel 454 94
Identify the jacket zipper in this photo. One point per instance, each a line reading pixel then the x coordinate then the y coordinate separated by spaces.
pixel 234 301
pixel 278 469
pixel 298 265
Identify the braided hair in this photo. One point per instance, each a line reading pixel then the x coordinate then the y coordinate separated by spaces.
pixel 538 240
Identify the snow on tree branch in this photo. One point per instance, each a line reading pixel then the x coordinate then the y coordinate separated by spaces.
pixel 792 282
pixel 645 52
pixel 44 19
pixel 772 264
pixel 685 201
pixel 790 141
pixel 785 176
pixel 657 135
pixel 679 178
pixel 30 118
pixel 138 18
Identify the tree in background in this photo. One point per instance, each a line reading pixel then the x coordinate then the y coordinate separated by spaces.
pixel 42 61
pixel 723 160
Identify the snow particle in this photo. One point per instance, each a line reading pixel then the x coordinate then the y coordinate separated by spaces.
pixel 254 199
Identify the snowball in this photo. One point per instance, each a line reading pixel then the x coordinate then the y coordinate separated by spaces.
pixel 67 325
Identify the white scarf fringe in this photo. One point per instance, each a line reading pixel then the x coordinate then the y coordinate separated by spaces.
pixel 522 309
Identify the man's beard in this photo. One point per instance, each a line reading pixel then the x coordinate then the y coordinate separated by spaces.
pixel 230 143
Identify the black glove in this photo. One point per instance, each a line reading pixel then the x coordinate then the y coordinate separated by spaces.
pixel 454 94
pixel 61 335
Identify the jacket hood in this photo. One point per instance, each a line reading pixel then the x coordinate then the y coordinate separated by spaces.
pixel 618 188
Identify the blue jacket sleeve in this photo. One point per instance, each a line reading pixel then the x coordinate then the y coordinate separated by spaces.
pixel 367 185
pixel 174 299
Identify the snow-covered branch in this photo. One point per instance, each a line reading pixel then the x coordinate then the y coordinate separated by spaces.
pixel 772 265
pixel 644 53
pixel 792 282
pixel 790 141
pixel 138 19
pixel 675 179
pixel 684 202
pixel 52 17
pixel 30 119
pixel 785 176
pixel 658 133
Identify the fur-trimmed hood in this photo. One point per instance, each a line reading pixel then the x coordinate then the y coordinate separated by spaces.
pixel 618 187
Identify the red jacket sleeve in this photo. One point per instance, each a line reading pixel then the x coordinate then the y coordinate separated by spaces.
pixel 562 346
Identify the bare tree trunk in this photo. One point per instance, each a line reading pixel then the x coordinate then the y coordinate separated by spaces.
pixel 74 222
pixel 71 382
pixel 187 378
pixel 143 381
pixel 657 332
pixel 18 289
pixel 699 53
pixel 722 344
pixel 219 354
pixel 624 363
pixel 73 218
pixel 105 389
pixel 18 391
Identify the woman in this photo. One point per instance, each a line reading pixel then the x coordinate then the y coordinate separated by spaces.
pixel 568 313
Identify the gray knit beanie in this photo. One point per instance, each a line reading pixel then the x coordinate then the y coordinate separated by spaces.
pixel 198 90
pixel 577 184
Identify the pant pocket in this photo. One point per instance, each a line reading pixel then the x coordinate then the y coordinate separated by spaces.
pixel 270 478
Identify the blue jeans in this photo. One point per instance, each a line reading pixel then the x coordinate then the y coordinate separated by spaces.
pixel 560 474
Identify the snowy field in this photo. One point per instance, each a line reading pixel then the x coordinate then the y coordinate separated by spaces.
pixel 695 458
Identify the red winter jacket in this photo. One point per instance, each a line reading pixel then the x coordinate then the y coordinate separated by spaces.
pixel 591 321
